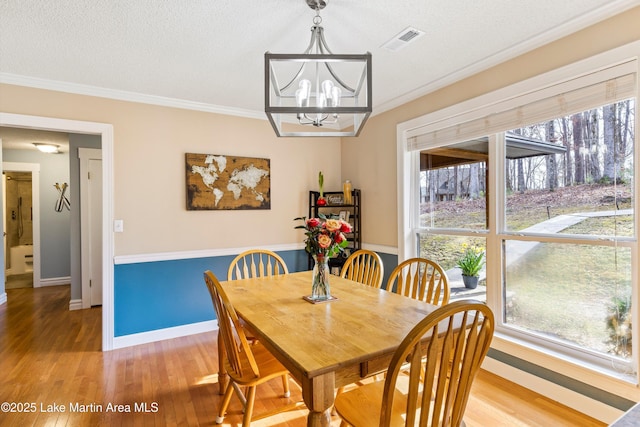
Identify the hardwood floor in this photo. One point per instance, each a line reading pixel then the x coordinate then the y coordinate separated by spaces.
pixel 50 360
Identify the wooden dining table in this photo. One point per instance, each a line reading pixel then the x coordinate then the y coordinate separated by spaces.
pixel 329 344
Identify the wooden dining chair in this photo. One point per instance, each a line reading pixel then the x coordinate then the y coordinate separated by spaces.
pixel 421 279
pixel 256 263
pixel 249 264
pixel 364 266
pixel 247 365
pixel 450 355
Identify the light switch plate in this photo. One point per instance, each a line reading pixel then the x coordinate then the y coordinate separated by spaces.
pixel 118 226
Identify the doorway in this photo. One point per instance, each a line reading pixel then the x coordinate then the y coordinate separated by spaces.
pixel 18 229
pixel 21 224
pixel 105 131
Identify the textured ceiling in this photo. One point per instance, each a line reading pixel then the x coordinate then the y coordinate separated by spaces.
pixel 212 51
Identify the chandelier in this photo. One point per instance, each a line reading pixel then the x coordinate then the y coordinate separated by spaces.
pixel 330 94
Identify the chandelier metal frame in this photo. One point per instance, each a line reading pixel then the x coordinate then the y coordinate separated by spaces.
pixel 339 107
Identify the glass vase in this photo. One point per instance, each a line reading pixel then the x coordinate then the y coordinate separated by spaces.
pixel 320 290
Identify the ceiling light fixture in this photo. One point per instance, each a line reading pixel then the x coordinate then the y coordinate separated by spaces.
pixel 326 91
pixel 47 148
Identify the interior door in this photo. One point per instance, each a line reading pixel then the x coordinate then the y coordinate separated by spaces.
pixel 95 217
pixel 91 225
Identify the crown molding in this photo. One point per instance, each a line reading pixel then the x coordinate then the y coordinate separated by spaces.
pixel 121 95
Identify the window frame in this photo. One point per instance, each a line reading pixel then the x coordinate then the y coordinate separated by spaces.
pixel 408 198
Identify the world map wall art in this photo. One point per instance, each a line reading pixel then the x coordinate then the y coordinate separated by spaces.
pixel 218 182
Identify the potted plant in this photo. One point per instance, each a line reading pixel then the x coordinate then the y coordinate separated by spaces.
pixel 471 263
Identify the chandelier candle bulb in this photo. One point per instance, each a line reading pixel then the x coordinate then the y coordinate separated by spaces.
pixel 327 86
pixel 303 94
pixel 336 93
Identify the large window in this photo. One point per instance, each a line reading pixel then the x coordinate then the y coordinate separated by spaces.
pixel 545 183
pixel 567 269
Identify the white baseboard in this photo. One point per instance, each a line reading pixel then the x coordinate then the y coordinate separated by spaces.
pixel 55 281
pixel 3 298
pixel 75 304
pixel 577 401
pixel 164 334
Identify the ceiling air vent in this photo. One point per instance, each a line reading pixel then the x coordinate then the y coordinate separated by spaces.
pixel 403 38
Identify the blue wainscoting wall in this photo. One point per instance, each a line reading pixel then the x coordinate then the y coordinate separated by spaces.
pixel 156 295
pixel 390 262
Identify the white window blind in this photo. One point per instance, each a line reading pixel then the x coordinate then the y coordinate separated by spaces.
pixel 593 90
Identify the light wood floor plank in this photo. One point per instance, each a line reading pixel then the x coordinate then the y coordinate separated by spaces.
pixel 50 355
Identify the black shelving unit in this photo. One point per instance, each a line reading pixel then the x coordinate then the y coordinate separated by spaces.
pixel 335 205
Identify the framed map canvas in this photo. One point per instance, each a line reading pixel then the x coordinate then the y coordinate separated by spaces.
pixel 217 182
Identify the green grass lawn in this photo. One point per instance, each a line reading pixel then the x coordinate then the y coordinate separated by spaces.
pixel 567 291
pixel 561 290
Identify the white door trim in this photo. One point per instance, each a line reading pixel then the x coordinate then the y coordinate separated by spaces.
pixel 105 130
pixel 34 168
pixel 86 154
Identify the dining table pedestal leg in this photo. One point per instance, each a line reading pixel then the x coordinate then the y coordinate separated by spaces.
pixel 318 395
